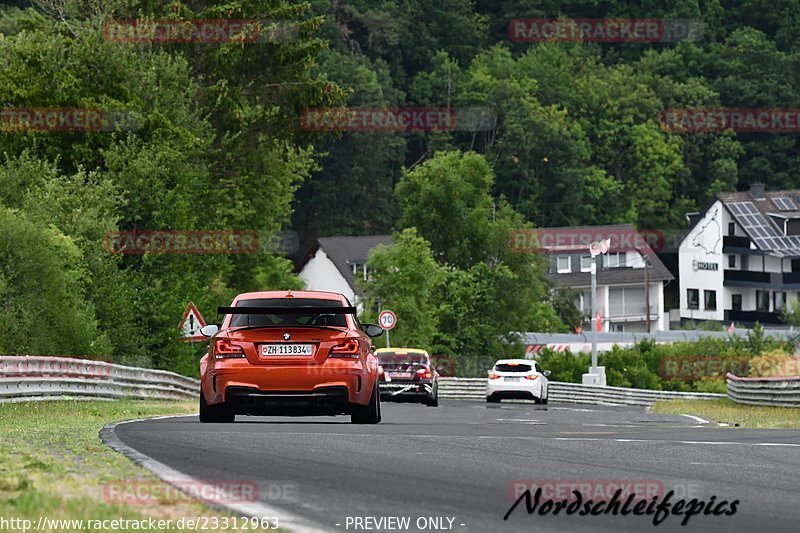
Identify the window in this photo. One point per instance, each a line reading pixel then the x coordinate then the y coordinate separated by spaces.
pixel 563 264
pixel 731 228
pixel 710 300
pixel 745 263
pixel 512 367
pixel 762 300
pixel 778 300
pixel 731 261
pixel 626 301
pixel 584 302
pixel 284 320
pixel 615 260
pixel 736 302
pixel 586 263
pixel 693 298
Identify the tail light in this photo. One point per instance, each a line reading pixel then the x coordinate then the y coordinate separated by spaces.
pixel 532 377
pixel 224 349
pixel 494 376
pixel 425 373
pixel 348 348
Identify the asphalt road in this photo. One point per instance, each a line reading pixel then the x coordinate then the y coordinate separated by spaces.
pixel 461 461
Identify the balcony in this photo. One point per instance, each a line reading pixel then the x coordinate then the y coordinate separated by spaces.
pixel 791 278
pixel 733 244
pixel 748 318
pixel 745 278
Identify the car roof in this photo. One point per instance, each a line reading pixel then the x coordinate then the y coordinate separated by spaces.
pixel 319 295
pixel 401 350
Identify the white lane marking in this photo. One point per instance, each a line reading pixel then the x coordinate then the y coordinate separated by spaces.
pixel 611 425
pixel 696 419
pixel 289 521
pixel 506 437
pixel 656 441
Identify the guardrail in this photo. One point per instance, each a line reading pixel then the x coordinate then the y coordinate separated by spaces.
pixel 34 378
pixel 657 336
pixel 779 392
pixel 475 389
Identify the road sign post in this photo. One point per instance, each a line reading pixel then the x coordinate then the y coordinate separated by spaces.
pixel 387 320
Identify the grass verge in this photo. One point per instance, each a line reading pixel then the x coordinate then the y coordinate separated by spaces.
pixel 54 465
pixel 726 411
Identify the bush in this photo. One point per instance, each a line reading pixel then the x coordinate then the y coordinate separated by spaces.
pixel 698 366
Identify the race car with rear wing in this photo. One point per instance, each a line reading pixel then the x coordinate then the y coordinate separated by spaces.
pixel 407 374
pixel 290 353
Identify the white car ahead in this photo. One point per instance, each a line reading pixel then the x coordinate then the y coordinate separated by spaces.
pixel 517 379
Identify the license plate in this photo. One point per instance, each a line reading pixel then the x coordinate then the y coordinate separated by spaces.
pixel 400 375
pixel 511 379
pixel 286 349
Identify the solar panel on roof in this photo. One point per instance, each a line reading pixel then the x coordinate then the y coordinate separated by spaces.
pixel 784 204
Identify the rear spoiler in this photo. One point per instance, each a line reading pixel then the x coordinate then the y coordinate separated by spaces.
pixel 286 310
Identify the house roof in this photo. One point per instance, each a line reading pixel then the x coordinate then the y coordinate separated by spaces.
pixel 624 237
pixel 344 251
pixel 616 276
pixel 756 213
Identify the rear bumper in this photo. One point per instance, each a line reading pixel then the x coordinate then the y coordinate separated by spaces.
pixel 322 401
pixel 406 389
pixel 514 395
pixel 514 389
pixel 352 379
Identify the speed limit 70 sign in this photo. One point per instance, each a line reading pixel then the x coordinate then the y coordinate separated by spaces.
pixel 387 319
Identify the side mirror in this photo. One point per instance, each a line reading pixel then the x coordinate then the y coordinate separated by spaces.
pixel 373 330
pixel 209 330
pixel 547 373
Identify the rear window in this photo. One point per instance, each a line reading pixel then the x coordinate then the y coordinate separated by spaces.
pixel 407 358
pixel 506 367
pixel 312 318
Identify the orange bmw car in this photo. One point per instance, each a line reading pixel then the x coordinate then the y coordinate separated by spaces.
pixel 290 353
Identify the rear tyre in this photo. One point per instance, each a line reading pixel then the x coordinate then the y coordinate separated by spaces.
pixel 434 400
pixel 546 397
pixel 370 413
pixel 215 414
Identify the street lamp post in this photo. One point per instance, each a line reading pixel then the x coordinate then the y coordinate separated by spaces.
pixel 593 270
pixel 595 249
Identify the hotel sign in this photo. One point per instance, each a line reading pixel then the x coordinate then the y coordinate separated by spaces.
pixel 702 265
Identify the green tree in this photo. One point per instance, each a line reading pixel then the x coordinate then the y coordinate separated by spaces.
pixel 405 277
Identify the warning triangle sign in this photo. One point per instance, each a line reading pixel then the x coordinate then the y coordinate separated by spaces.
pixel 191 323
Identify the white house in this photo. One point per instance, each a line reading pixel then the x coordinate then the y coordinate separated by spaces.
pixel 740 260
pixel 621 274
pixel 334 263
